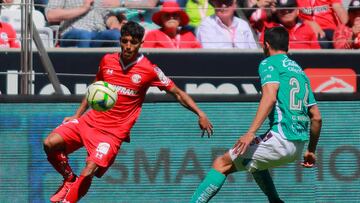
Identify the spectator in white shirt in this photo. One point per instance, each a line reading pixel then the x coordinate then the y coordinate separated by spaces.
pixel 224 29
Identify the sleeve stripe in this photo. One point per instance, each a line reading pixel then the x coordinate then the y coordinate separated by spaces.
pixel 312 104
pixel 270 82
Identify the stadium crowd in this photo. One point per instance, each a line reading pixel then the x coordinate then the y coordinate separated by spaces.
pixel 216 24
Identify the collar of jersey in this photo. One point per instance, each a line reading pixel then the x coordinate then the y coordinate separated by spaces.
pixel 140 56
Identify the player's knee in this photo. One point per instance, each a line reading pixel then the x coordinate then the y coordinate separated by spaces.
pixel 50 143
pixel 220 164
pixel 47 145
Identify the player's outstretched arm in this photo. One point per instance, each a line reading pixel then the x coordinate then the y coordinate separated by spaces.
pixel 267 102
pixel 189 103
pixel 315 128
pixel 82 108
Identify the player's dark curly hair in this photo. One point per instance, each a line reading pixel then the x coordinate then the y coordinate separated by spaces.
pixel 133 29
pixel 278 38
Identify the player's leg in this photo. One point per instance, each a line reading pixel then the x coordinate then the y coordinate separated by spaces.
pixel 270 150
pixel 54 147
pixel 62 141
pixel 266 184
pixel 259 156
pixel 214 180
pixel 82 184
pixel 102 149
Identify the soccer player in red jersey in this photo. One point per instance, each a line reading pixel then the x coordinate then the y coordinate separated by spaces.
pixel 102 133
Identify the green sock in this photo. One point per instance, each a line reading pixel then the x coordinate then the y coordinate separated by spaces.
pixel 208 187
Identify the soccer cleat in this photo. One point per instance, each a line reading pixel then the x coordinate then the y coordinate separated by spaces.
pixel 60 194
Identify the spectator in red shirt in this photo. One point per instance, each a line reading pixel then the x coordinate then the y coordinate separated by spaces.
pixel 348 36
pixel 171 19
pixel 323 16
pixel 301 36
pixel 7 34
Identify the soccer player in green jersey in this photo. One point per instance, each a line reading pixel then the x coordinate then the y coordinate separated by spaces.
pixel 289 103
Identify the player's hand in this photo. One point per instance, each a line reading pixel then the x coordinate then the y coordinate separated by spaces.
pixel 205 125
pixel 243 143
pixel 67 119
pixel 309 159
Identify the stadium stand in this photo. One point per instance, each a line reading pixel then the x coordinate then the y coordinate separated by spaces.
pixel 12 15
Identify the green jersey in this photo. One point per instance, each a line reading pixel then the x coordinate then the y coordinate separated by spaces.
pixel 289 117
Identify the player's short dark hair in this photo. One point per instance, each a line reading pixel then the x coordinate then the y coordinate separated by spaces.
pixel 133 29
pixel 278 38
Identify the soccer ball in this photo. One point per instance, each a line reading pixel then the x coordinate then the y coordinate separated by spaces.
pixel 101 96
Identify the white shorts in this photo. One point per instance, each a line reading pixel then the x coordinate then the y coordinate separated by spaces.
pixel 267 151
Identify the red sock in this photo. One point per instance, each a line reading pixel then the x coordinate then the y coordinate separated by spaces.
pixel 61 164
pixel 78 189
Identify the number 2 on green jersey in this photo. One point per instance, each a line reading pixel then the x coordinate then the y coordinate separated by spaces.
pixel 295 101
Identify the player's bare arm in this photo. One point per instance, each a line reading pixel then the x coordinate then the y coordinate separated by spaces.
pixel 188 102
pixel 315 128
pixel 267 102
pixel 82 108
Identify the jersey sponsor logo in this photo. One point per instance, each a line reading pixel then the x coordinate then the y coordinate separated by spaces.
pixel 315 10
pixel 321 9
pixel 307 11
pixel 292 66
pixel 339 80
pixel 102 149
pixel 109 71
pixel 125 91
pixel 162 77
pixel 136 78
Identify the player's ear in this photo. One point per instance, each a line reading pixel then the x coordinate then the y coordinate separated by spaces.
pixel 266 44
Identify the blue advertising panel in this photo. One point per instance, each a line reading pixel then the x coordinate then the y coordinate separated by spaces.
pixel 167 158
